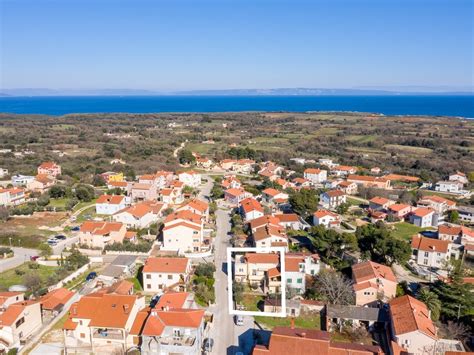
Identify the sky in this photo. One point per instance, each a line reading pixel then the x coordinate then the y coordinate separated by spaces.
pixel 224 44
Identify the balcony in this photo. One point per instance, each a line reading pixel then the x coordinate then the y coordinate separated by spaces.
pixel 178 340
pixel 108 334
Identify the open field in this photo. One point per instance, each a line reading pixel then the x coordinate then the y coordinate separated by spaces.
pixel 405 231
pixel 17 276
pixel 306 321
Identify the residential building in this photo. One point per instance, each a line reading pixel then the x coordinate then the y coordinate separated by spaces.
pixel 332 199
pixel 190 178
pixel 9 297
pixel 3 173
pixel 290 221
pixel 112 176
pixel 291 340
pixel 97 234
pixel 140 215
pixel 270 236
pixel 110 204
pixel 183 232
pixel 235 195
pixel 466 214
pixel 230 182
pixel 274 196
pixel 316 176
pixel 12 197
pixel 265 221
pixel 173 331
pixel 204 163
pixel 459 176
pixel 102 323
pixel 327 162
pixel 399 210
pixel 380 203
pixel 22 180
pixel 369 181
pixel 439 204
pixel 430 252
pixel 349 188
pixel 49 168
pixel 424 217
pixel 164 273
pixel 454 187
pixel 301 183
pixel 18 323
pixel 251 267
pixel 251 209
pixel 41 183
pixel 411 326
pixel 143 192
pixel 326 218
pixel 197 206
pixel 172 196
pixel 297 267
pixel 343 170
pixel 373 282
pixel 120 185
pixel 456 234
pixel 54 301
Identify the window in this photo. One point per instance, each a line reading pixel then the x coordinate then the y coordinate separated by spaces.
pixel 241 270
pixel 170 277
pixel 83 335
pixel 426 254
pixel 425 261
pixel 288 281
pixel 148 286
pixel 20 322
pixel 299 281
pixel 148 276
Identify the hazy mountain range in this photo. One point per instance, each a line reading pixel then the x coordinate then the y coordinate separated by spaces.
pixel 401 90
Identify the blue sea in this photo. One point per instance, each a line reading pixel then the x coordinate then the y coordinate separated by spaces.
pixel 432 105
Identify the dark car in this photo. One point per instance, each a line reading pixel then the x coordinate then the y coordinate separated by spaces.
pixel 208 344
pixel 76 229
pixel 34 257
pixel 92 275
pixel 60 237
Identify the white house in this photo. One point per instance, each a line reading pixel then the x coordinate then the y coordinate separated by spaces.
pixel 110 204
pixel 454 187
pixel 165 273
pixel 190 178
pixel 411 326
pixel 458 176
pixel 316 176
pixel 140 215
pixel 424 217
pixel 326 218
pixel 271 195
pixel 183 232
pixel 251 209
pixel 22 180
pixel 297 266
pixel 332 199
pixel 343 170
pixel 235 196
pixel 12 197
pixel 430 252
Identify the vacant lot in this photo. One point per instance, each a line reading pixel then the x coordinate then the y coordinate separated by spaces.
pixel 17 276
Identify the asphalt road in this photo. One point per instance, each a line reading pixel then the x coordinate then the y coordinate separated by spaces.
pixel 229 338
pixel 20 256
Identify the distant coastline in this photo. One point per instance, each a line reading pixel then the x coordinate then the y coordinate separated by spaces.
pixel 460 105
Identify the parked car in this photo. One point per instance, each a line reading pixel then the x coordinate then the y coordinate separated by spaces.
pixel 34 257
pixel 239 320
pixel 52 242
pixel 208 344
pixel 76 229
pixel 60 237
pixel 91 276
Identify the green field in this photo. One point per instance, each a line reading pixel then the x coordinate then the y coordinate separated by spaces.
pixel 16 276
pixel 303 321
pixel 405 231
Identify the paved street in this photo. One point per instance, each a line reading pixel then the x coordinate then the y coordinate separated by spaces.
pixel 21 255
pixel 229 338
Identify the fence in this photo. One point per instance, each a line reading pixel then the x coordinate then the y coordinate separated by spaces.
pixel 71 277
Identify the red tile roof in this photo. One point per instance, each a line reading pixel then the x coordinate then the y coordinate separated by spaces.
pixel 262 258
pixel 312 171
pixel 369 270
pixel 110 199
pixel 250 204
pixel 100 227
pixel 423 211
pixel 166 265
pixel 185 318
pixel 409 314
pixel 429 244
pixel 56 299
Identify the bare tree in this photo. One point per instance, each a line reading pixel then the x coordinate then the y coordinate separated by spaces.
pixel 334 288
pixel 453 330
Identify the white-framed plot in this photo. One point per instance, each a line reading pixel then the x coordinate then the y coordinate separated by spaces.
pixel 248 265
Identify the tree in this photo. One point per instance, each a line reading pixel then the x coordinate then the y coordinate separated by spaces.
pixel 45 251
pixel 238 292
pixel 185 156
pixel 57 191
pixel 432 302
pixel 217 192
pixel 98 180
pixel 453 216
pixel 332 287
pixel 331 244
pixel 4 214
pixel 457 298
pixel 205 269
pixel 304 202
pixel 85 193
pixel 454 330
pixel 32 281
pixel 343 208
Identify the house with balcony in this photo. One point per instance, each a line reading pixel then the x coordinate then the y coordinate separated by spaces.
pixel 373 282
pixel 143 192
pixel 190 178
pixel 41 183
pixel 236 195
pixel 424 217
pixel 433 253
pixel 97 234
pixel 273 196
pixel 197 206
pixel 454 187
pixel 111 204
pixel 326 218
pixel 102 323
pixel 332 199
pixel 316 176
pixel 12 196
pixel 378 203
pixel 251 209
pixel 297 267
pixel 252 267
pixel 140 215
pixel 161 274
pixel 456 234
pixel 19 321
pixel 49 168
pixel 183 232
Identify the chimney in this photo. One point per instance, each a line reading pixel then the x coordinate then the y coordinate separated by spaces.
pixel 292 324
pixel 303 335
pixel 125 308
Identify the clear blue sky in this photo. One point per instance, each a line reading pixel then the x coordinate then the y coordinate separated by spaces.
pixel 217 44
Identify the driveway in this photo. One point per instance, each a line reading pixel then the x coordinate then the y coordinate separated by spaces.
pixel 21 255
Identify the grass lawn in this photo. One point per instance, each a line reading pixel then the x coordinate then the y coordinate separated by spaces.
pixel 136 284
pixel 307 321
pixel 353 201
pixel 10 277
pixel 90 211
pixel 250 302
pixel 83 204
pixel 405 231
pixel 58 202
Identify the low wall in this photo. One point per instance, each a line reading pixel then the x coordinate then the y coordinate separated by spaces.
pixel 90 251
pixel 71 277
pixel 116 252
